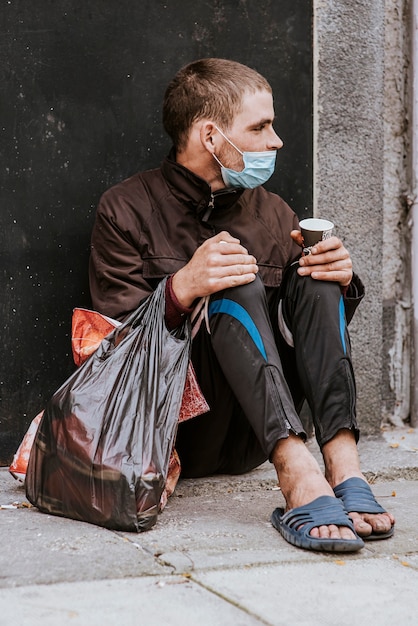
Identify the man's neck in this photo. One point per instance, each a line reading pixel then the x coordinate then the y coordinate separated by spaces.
pixel 202 167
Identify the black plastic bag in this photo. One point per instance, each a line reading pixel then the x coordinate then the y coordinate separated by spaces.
pixel 102 449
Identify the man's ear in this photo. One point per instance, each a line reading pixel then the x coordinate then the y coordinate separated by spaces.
pixel 208 134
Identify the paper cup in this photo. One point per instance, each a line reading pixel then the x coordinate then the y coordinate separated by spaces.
pixel 313 230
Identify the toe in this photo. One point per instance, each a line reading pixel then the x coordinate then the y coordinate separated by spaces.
pixel 347 534
pixel 367 523
pixel 325 532
pixel 332 532
pixel 362 528
pixel 380 523
pixel 322 532
pixel 314 532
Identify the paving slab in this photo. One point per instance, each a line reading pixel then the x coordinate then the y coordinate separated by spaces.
pixel 230 530
pixel 42 549
pixel 340 591
pixel 175 601
pixel 212 558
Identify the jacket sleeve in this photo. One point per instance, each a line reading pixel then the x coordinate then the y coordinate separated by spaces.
pixel 353 297
pixel 117 285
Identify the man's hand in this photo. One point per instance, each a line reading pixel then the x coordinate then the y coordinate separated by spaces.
pixel 219 263
pixel 329 260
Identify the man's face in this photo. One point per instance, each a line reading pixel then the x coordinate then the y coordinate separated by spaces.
pixel 251 131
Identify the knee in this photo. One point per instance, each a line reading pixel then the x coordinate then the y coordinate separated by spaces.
pixel 320 287
pixel 307 286
pixel 251 291
pixel 307 297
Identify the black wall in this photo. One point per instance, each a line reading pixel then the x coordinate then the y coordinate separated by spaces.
pixel 80 108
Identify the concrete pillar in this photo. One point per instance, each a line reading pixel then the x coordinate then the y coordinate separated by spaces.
pixel 398 199
pixel 349 167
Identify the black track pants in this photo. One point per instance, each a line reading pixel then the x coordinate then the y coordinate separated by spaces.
pixel 255 376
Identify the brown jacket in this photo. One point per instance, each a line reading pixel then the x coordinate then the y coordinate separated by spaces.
pixel 149 226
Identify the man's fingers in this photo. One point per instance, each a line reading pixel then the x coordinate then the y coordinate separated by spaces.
pixel 238 259
pixel 337 271
pixel 219 263
pixel 297 237
pixel 332 243
pixel 332 256
pixel 223 237
pixel 343 265
pixel 226 254
pixel 235 280
pixel 229 247
pixel 343 278
pixel 239 269
pixel 223 247
pixel 221 240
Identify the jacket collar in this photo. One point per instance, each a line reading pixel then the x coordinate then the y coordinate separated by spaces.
pixel 194 190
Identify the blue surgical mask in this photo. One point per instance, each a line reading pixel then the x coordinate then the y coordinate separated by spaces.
pixel 258 168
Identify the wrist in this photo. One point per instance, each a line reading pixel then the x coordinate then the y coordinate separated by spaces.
pixel 180 294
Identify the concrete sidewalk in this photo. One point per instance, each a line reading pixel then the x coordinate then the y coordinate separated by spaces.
pixel 213 558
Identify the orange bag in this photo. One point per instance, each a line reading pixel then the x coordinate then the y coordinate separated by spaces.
pixel 20 461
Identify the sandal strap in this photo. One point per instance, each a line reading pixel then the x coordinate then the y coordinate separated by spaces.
pixel 357 497
pixel 323 511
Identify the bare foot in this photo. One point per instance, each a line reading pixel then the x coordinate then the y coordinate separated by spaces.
pixel 342 462
pixel 302 481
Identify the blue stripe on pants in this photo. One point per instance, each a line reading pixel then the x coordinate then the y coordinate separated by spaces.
pixel 239 313
pixel 342 324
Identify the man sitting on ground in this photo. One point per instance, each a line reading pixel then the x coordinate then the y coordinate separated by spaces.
pixel 277 320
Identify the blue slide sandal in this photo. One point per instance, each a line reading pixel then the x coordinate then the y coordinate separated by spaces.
pixel 296 524
pixel 357 497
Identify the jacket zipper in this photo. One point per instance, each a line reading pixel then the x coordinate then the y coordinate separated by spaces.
pixel 209 208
